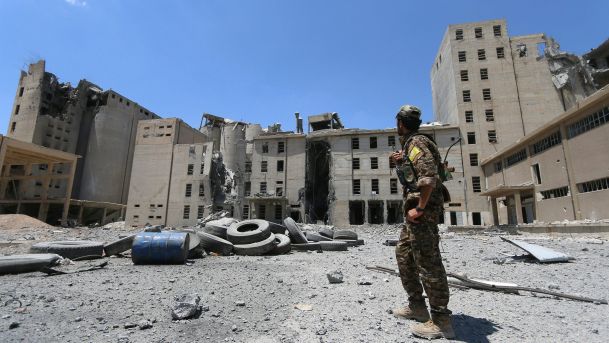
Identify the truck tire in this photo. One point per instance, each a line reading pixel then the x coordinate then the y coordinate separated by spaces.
pixel 282 245
pixel 216 230
pixel 70 249
pixel 345 234
pixel 257 248
pixel 296 235
pixel 119 246
pixel 215 244
pixel 327 233
pixel 333 246
pixel 248 231
pixel 306 246
pixel 26 263
pixel 277 228
pixel 315 237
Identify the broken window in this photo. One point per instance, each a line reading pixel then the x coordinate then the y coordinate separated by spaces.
pixel 481 55
pixel 13 126
pixel 280 165
pixel 489 115
pixel 374 163
pixel 356 212
pixel 279 189
pixel 546 143
pixel 462 56
pixel 469 116
pixel 356 187
pixel 483 74
pixel 261 211
pixel 17 109
pixel 201 189
pixel 497 30
pixel 459 34
pixel 355 163
pixel 555 193
pixel 393 186
pixel 516 157
pixel 473 160
pixel 375 186
pixel 199 212
pixel 373 143
pixel 476 184
pixel 265 148
pixel 464 76
pixel 354 143
pixel 191 168
pixel 203 168
pixel 248 188
pixel 280 147
pixel 263 187
pixel 498 166
pixel 594 185
pixel 467 96
pixel 246 212
pixel 278 212
pixel 248 166
pixel 188 189
pixel 492 136
pixel 471 138
pixel 391 141
pixel 21 91
pixel 478 32
pixel 263 166
pixel 536 173
pixel 486 94
pixel 186 214
pixel 601 117
pixel 522 50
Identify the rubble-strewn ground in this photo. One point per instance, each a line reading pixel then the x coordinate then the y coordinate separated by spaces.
pixel 97 306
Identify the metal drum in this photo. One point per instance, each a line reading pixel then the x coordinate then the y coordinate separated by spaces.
pixel 160 248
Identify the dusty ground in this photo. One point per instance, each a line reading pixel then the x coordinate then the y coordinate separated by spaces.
pixel 97 306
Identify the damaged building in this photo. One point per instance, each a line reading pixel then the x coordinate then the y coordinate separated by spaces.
pixel 557 172
pixel 100 126
pixel 498 88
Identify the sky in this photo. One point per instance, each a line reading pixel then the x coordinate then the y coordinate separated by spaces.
pixel 261 61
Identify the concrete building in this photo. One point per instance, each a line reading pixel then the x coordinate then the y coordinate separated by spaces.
pixel 28 175
pixel 598 60
pixel 559 171
pixel 350 179
pixel 98 125
pixel 275 177
pixel 170 182
pixel 497 89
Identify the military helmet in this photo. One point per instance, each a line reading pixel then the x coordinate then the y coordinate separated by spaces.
pixel 409 111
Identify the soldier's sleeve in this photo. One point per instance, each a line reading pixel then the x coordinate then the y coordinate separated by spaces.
pixel 424 162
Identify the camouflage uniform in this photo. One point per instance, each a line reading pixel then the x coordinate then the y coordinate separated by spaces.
pixel 417 251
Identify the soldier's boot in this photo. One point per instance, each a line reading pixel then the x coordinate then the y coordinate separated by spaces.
pixel 440 326
pixel 416 311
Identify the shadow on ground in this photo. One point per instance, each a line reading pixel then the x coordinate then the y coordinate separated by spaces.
pixel 473 330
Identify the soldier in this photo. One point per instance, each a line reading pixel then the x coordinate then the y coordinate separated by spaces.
pixel 417 251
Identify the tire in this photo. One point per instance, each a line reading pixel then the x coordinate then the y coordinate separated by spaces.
pixel 333 246
pixel 282 245
pixel 277 228
pixel 345 234
pixel 215 244
pixel 306 246
pixel 315 237
pixel 329 233
pixel 119 246
pixel 218 231
pixel 248 231
pixel 194 241
pixel 26 263
pixel 70 249
pixel 296 235
pixel 256 249
pixel 351 242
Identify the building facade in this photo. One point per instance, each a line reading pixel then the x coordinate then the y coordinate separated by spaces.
pixel 496 89
pixel 558 172
pixel 100 126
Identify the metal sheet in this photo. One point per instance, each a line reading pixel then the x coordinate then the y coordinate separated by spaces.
pixel 542 254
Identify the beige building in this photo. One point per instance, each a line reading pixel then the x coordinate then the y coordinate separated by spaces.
pixel 497 89
pixel 170 181
pixel 559 171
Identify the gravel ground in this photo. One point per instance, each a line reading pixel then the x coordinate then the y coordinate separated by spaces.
pixel 253 299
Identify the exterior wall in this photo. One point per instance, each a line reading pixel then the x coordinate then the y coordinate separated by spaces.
pixel 522 95
pixel 158 178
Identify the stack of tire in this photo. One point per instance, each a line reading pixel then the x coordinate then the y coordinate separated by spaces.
pixel 324 240
pixel 252 237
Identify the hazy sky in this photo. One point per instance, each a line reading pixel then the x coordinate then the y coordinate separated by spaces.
pixel 262 60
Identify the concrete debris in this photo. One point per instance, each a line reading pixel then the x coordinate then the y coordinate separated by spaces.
pixel 186 307
pixel 304 307
pixel 144 324
pixel 364 282
pixel 335 277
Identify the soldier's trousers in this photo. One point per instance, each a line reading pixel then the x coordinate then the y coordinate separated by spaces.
pixel 420 263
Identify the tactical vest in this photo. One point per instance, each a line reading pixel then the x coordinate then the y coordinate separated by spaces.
pixel 407 173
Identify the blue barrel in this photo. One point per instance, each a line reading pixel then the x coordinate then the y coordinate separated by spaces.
pixel 160 248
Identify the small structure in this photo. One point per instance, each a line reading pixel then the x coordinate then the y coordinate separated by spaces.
pixel 30 177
